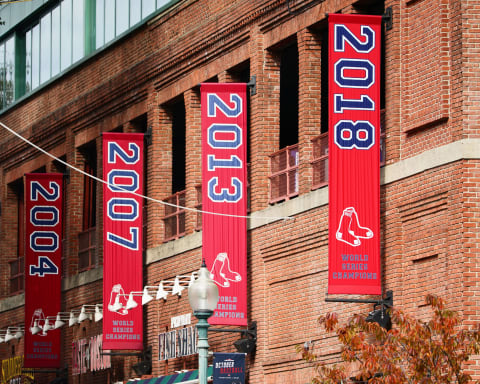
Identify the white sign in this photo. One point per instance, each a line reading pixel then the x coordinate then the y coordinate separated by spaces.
pixel 177 343
pixel 180 321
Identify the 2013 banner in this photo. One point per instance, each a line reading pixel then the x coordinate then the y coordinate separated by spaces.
pixel 224 197
pixel 122 239
pixel 43 259
pixel 354 63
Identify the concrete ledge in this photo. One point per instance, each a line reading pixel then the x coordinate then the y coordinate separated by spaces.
pixel 12 302
pixel 175 247
pixel 83 278
pixel 68 283
pixel 437 157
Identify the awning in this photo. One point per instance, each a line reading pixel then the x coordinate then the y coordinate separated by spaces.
pixel 190 377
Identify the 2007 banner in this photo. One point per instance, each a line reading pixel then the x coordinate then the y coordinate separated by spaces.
pixel 43 258
pixel 354 154
pixel 224 184
pixel 122 239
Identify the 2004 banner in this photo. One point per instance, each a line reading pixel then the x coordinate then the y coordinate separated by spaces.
pixel 43 259
pixel 354 154
pixel 224 197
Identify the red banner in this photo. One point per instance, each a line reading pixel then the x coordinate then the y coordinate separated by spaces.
pixel 354 158
pixel 122 239
pixel 43 259
pixel 224 181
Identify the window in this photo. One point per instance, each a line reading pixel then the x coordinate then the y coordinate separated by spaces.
pixel 66 34
pixel 17 265
pixel 174 219
pixel 289 96
pixel 284 163
pixel 62 36
pixel 48 46
pixel 87 245
pixel 178 146
pixel 7 72
pixel 114 17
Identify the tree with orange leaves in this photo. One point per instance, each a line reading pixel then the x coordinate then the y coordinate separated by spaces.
pixel 412 351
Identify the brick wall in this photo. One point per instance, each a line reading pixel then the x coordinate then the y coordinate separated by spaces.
pixel 429 218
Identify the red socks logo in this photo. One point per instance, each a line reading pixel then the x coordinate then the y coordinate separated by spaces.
pixel 349 230
pixel 221 272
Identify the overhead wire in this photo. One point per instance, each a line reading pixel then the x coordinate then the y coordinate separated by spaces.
pixel 135 193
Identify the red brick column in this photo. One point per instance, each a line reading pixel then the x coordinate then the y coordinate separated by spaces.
pixel 9 235
pixel 265 119
pixel 74 202
pixel 225 77
pixel 99 202
pixel 159 172
pixel 309 103
pixel 193 154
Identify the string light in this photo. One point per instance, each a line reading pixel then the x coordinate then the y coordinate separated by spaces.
pixel 161 291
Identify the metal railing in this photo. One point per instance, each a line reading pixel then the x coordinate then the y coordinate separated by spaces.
pixel 174 219
pixel 198 207
pixel 284 174
pixel 320 158
pixel 87 249
pixel 17 275
pixel 320 161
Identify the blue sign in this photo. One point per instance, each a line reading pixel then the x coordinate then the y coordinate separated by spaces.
pixel 229 368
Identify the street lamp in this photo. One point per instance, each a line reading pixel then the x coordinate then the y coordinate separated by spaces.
pixel 203 297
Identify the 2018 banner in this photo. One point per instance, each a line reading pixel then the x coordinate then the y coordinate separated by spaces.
pixel 224 181
pixel 43 260
pixel 354 154
pixel 122 239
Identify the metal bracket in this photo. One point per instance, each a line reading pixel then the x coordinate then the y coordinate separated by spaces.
pixel 146 353
pixel 387 18
pixel 248 341
pixel 379 316
pixel 250 331
pixel 147 136
pixel 60 372
pixel 66 175
pixel 138 354
pixel 388 301
pixel 252 84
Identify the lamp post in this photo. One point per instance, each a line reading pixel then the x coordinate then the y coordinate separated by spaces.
pixel 203 297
